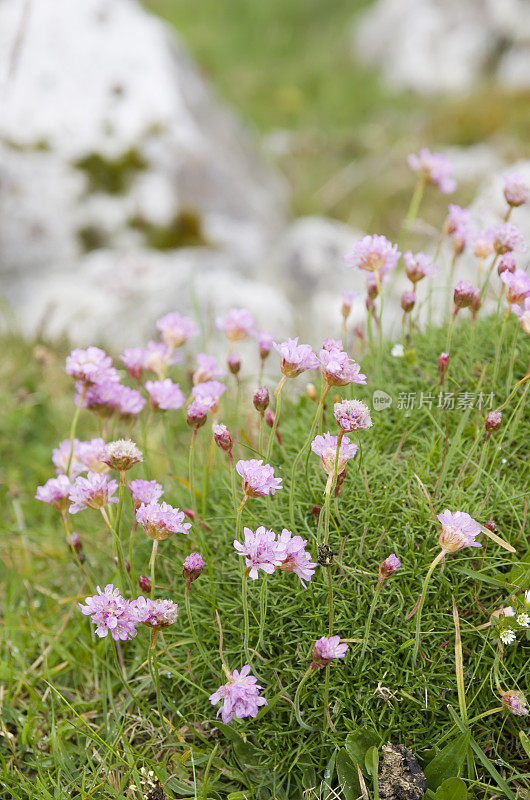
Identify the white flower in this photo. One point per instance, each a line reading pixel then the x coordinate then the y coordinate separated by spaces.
pixel 508 611
pixel 523 620
pixel 398 351
pixel 507 636
pixel 527 597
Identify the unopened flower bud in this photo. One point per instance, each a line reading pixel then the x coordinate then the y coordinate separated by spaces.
pixel 491 526
pixel 125 564
pixel 389 566
pixel 265 342
pixel 443 363
pixel 458 241
pixel 222 437
pixel 192 567
pixel 358 331
pixel 316 511
pixel 261 399
pixel 347 300
pixel 493 421
pixel 476 302
pixel 408 300
pixel 144 583
pixel 372 288
pixel 196 415
pixel 463 294
pixel 269 417
pixel 74 542
pixel 234 363
pixel 514 702
pixel 311 392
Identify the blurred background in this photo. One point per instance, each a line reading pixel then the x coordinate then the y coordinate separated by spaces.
pixel 219 153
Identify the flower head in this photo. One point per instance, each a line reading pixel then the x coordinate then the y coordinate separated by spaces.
pixel 514 702
pixel 158 357
pixel 508 238
pixel 433 168
pixel 134 359
pixel 197 411
pixel 237 324
pixel 463 294
pixel 240 696
pixel 95 491
pixel 111 612
pixel 338 369
pixel 155 613
pixel 109 397
pixel 165 395
pixel 295 358
pixel 295 558
pixel 61 456
pixel 122 455
pixel 493 421
pixel 261 399
pixel 507 636
pixel 160 520
pixel 352 415
pixel 223 438
pixel 523 312
pixel 458 530
pixel 515 189
pixel 209 393
pixel 260 550
pixel 92 365
pixel 326 447
pixel 326 649
pixel 192 567
pixel 408 300
pixel 374 254
pixel 91 455
pixel 55 491
pixel 347 301
pixel 175 330
pixel 389 566
pixel 517 286
pixel 419 266
pixel 483 243
pixel 258 478
pixel 207 369
pixel 144 492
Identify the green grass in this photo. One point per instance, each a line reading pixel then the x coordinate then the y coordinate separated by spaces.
pixel 70 726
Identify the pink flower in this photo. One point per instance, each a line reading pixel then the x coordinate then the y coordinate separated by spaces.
pixel 408 300
pixel 223 438
pixel 493 421
pixel 458 225
pixel 265 342
pixel 144 492
pixel 95 491
pixel 458 530
pixel 207 369
pixel 295 358
pixel 92 365
pixel 237 324
pixel 419 266
pixel 61 456
pixel 508 238
pixel 209 392
pixel 515 702
pixel 347 300
pixel 352 415
pixel 160 520
pixel 338 369
pixel 326 447
pixel 326 649
pixel 240 696
pixel 389 566
pixel 518 286
pixel 158 357
pixel 258 478
pixel 523 312
pixel 260 550
pixel 134 359
pixel 374 254
pixel 433 168
pixel 55 492
pixel 108 397
pixel 464 294
pixel 91 454
pixel 154 613
pixel 506 264
pixel 197 412
pixel 295 558
pixel 192 567
pixel 175 330
pixel 111 612
pixel 515 189
pixel 165 395
pixel 483 243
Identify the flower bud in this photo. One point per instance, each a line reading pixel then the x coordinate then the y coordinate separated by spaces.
pixel 443 363
pixel 347 300
pixel 358 331
pixel 269 417
pixel 144 583
pixel 493 421
pixel 261 399
pixel 222 437
pixel 311 392
pixel 476 302
pixel 408 300
pixel 192 567
pixel 265 344
pixel 389 566
pixel 74 542
pixel 234 363
pixel 125 564
pixel 458 241
pixel 514 702
pixel 515 190
pixel 463 294
pixel 372 288
pixel 196 415
pixel 491 526
pixel 316 512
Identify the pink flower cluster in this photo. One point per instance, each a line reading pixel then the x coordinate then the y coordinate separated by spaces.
pixel 296 358
pixel 374 254
pixel 160 520
pixel 95 491
pixel 240 696
pixel 326 649
pixel 110 612
pixel 458 530
pixel 237 324
pixel 326 447
pixel 175 329
pixel 433 168
pixel 145 492
pixel 264 550
pixel 338 369
pixel 165 395
pixel 352 415
pixel 258 478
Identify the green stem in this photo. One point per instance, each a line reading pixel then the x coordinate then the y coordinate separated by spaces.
pixel 450 333
pixel 260 439
pixel 325 390
pixel 499 348
pixel 262 612
pixel 278 395
pixel 330 488
pixel 512 357
pixel 417 640
pixel 306 675
pixel 244 602
pixel 117 546
pixel 192 626
pixel 152 566
pixel 191 470
pixel 370 615
pixel 73 428
pixel 413 208
pixel 154 662
pixel 488 276
pixel 480 467
pixel 514 390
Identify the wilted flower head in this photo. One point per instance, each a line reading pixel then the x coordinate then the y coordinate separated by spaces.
pixel 295 358
pixel 389 566
pixel 458 530
pixel 483 243
pixel 144 492
pixel 95 491
pixel 237 324
pixel 92 365
pixel 508 238
pixel 165 395
pixel 517 286
pixel 326 447
pixel 160 520
pixel 258 478
pixel 295 558
pixel 515 702
pixel 374 254
pixel 61 456
pixel 265 342
pixel 260 550
pixel 408 300
pixel 352 415
pixel 56 492
pixel 515 189
pixel 192 567
pixel 111 612
pixel 175 330
pixel 326 649
pixel 433 168
pixel 338 369
pixel 134 360
pixel 418 266
pixel 155 613
pixel 240 696
pixel 122 454
pixel 493 421
pixel 463 294
pixel 207 369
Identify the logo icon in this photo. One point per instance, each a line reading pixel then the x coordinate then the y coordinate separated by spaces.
pixel 381 400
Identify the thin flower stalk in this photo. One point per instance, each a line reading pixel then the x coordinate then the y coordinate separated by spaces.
pixel 278 396
pixel 414 206
pixel 192 626
pixel 117 547
pixel 262 612
pixel 499 347
pixel 417 638
pixel 304 678
pixel 368 625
